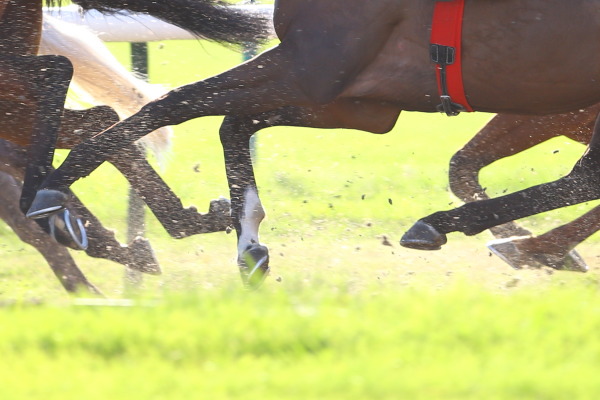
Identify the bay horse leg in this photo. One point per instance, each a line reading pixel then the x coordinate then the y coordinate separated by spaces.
pixel 62 264
pixel 138 255
pixel 178 221
pixel 580 185
pixel 63 227
pixel 49 78
pixel 283 76
pixel 556 248
pixel 504 136
pixel 246 208
pixel 75 126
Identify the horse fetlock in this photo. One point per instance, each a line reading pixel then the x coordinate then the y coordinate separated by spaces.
pixel 217 219
pixel 68 230
pixel 463 176
pixel 142 257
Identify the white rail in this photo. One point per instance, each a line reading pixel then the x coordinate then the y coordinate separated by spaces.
pixel 128 27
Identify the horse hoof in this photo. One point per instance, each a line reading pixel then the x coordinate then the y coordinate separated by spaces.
pixel 510 253
pixel 144 259
pixel 254 266
pixel 68 230
pixel 422 236
pixel 220 212
pixel 46 203
pixel 570 262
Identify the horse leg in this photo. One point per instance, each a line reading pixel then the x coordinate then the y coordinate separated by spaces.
pixel 49 80
pixel 75 126
pixel 283 76
pixel 484 149
pixel 516 134
pixel 62 264
pixel 36 88
pixel 100 76
pixel 555 248
pixel 65 227
pixel 580 185
pixel 137 255
pixel 178 221
pixel 246 209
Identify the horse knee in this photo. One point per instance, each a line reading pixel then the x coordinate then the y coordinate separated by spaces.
pixel 236 130
pixel 55 67
pixel 586 174
pixel 59 64
pixel 104 115
pixel 463 175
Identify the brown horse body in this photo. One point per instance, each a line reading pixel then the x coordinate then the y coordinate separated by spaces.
pixel 357 64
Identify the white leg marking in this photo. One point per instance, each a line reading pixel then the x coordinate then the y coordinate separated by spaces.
pixel 252 215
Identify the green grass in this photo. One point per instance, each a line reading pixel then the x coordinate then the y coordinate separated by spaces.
pixel 378 343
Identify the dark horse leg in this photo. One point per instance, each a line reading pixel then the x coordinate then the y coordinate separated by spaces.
pixel 379 52
pixel 178 221
pixel 167 207
pixel 46 80
pixel 506 135
pixel 58 257
pixel 580 185
pixel 138 254
pixel 258 86
pixel 246 209
pixel 75 125
pixel 31 110
pixel 555 248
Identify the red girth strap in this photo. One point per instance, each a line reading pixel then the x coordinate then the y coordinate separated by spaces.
pixel 446 35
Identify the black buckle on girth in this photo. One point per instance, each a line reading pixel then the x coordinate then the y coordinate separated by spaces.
pixel 444 56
